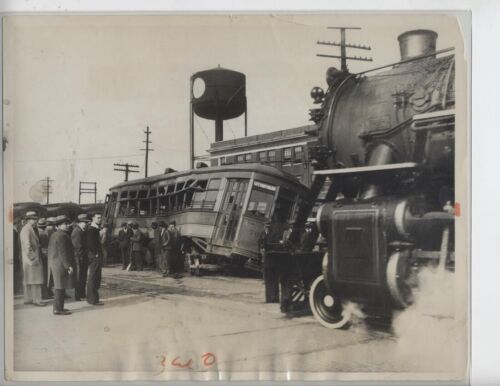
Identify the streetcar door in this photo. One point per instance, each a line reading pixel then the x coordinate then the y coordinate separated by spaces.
pixel 230 211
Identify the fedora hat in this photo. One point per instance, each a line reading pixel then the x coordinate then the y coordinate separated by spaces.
pixel 51 220
pixel 31 215
pixel 62 219
pixel 83 218
pixel 42 223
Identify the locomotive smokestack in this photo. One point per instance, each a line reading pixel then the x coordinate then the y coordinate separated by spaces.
pixel 416 43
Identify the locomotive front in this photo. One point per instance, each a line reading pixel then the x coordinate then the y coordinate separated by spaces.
pixel 387 145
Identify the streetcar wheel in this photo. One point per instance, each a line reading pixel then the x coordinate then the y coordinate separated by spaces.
pixel 400 276
pixel 326 308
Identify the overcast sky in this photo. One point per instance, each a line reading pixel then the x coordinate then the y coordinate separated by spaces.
pixel 80 90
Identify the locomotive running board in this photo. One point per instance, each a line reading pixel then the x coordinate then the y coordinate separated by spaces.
pixel 366 169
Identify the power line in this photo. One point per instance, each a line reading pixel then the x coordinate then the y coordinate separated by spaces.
pixel 147 150
pixel 78 159
pixel 128 168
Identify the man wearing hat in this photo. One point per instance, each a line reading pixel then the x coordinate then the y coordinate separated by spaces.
pixel 154 244
pixel 94 252
pixel 44 244
pixel 164 237
pixel 137 260
pixel 269 271
pixel 32 263
pixel 51 223
pixel 124 244
pixel 61 263
pixel 79 240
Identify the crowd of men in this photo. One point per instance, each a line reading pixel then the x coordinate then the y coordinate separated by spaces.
pixel 160 249
pixel 54 255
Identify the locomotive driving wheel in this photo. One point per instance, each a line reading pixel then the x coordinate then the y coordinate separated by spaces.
pixel 327 308
pixel 400 278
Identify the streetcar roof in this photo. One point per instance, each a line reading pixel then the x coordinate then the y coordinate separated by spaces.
pixel 249 167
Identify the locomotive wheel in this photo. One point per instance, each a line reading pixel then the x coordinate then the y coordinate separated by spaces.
pixel 399 277
pixel 326 308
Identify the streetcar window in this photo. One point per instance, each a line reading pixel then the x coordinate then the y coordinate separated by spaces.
pixel 261 199
pixel 161 191
pixel 152 192
pixel 143 207
pixel 223 161
pixel 298 153
pixel 271 155
pixel 240 159
pixel 214 184
pixel 132 194
pixel 199 194
pixel 188 195
pixel 143 193
pixel 123 194
pixel 248 157
pixel 154 206
pixel 262 156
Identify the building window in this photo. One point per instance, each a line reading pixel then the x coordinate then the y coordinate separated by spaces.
pixel 287 154
pixel 240 159
pixel 248 157
pixel 299 153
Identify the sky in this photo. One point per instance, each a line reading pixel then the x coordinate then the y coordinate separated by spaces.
pixel 79 91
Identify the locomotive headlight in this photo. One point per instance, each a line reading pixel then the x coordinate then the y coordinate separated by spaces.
pixel 317 94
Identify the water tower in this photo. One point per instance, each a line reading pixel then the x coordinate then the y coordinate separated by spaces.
pixel 217 94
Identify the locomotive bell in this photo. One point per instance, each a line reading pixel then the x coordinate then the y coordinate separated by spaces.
pixel 416 43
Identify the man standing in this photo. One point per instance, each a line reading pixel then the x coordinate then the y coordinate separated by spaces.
pixel 269 271
pixel 137 248
pixel 44 245
pixel 51 222
pixel 178 262
pixel 95 261
pixel 79 240
pixel 154 244
pixel 32 264
pixel 103 235
pixel 164 237
pixel 61 263
pixel 124 244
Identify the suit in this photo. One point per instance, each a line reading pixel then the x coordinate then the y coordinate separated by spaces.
pixel 124 245
pixel 61 258
pixel 167 252
pixel 94 271
pixel 137 249
pixel 79 240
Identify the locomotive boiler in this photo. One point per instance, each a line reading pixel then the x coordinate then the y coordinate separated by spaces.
pixel 387 152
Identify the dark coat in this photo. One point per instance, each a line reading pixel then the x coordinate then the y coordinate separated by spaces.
pixel 137 239
pixel 167 240
pixel 79 240
pixel 266 241
pixel 93 243
pixel 123 238
pixel 61 257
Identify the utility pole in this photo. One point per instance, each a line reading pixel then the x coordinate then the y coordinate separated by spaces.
pixel 147 150
pixel 127 169
pixel 87 187
pixel 343 45
pixel 47 188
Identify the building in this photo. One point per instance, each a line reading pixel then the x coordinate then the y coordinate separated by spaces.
pixel 284 149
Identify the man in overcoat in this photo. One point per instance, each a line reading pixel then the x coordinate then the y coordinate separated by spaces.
pixel 61 263
pixel 124 244
pixel 32 263
pixel 44 244
pixel 178 263
pixel 270 271
pixel 94 252
pixel 79 240
pixel 164 237
pixel 137 248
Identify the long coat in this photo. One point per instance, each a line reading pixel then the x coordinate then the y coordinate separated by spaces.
pixel 61 257
pixel 79 240
pixel 32 264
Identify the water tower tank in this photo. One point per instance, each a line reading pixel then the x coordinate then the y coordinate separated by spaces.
pixel 219 94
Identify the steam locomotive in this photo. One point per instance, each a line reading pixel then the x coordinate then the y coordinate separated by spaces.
pixel 387 153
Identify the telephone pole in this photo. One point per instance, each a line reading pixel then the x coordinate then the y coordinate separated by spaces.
pixel 147 150
pixel 128 168
pixel 343 45
pixel 47 188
